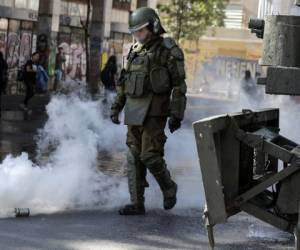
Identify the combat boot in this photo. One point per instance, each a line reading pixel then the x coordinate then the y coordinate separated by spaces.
pixel 170 197
pixel 158 168
pixel 136 173
pixel 133 209
pixel 168 188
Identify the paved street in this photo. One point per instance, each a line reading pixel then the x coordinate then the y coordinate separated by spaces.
pixel 157 230
pixel 70 69
pixel 180 229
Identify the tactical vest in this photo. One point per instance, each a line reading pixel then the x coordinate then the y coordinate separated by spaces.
pixel 147 72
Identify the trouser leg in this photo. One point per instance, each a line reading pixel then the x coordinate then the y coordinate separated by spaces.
pixel 57 79
pixel 29 93
pixel 136 177
pixel 136 173
pixel 152 156
pixel 158 169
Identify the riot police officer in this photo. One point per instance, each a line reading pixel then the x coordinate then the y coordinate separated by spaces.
pixel 151 89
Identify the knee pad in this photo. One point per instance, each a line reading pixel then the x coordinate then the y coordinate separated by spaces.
pixel 154 162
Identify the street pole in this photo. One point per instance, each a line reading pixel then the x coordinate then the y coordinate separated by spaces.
pixel 95 45
pixel 47 29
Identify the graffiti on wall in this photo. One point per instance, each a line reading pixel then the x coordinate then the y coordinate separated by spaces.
pixel 74 49
pixel 75 60
pixel 223 73
pixel 51 64
pixel 25 47
pixel 13 44
pixel 18 49
pixel 3 42
pixel 234 68
pixel 16 43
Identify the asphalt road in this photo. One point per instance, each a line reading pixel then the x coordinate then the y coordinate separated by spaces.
pixel 181 229
pixel 106 230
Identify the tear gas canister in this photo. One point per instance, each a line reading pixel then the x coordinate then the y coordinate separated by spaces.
pixel 22 212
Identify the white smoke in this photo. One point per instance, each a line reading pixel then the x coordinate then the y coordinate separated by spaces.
pixel 234 99
pixel 66 174
pixel 216 100
pixel 289 109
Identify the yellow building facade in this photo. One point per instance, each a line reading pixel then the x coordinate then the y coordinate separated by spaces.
pixel 230 51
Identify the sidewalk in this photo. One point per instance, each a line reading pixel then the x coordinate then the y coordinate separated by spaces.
pixel 18 128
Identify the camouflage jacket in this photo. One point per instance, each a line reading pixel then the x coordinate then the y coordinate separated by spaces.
pixel 152 83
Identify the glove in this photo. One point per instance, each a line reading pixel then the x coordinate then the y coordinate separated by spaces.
pixel 174 124
pixel 115 118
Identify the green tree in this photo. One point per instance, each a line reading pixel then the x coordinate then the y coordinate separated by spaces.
pixel 189 19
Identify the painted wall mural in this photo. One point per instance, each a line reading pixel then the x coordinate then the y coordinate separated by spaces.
pixel 16 44
pixel 74 49
pixel 25 47
pixel 13 44
pixel 223 74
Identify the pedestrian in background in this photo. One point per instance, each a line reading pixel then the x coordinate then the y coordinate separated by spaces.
pixel 248 84
pixel 42 79
pixel 109 74
pixel 3 73
pixel 60 65
pixel 3 78
pixel 109 78
pixel 30 71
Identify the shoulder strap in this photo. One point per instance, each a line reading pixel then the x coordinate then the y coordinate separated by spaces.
pixel 161 52
pixel 169 43
pixel 131 55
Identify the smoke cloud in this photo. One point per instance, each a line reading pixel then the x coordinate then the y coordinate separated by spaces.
pixel 81 162
pixel 66 174
pixel 226 96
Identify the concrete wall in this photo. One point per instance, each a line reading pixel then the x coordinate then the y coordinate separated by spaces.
pixel 237 44
pixel 282 6
pixel 119 16
pixel 276 7
pixel 107 18
pixel 14 13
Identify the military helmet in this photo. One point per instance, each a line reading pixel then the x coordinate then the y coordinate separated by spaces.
pixel 144 17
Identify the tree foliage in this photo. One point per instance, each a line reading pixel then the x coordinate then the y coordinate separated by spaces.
pixel 189 19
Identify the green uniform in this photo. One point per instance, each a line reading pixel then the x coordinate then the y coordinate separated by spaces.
pixel 151 88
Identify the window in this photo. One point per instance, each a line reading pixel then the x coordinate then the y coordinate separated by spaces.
pixel 82 10
pixel 117 36
pixel 33 4
pixel 122 4
pixel 3 24
pixel 121 37
pixel 64 8
pixel 21 4
pixel 142 3
pixel 26 25
pixel 265 8
pixel 26 4
pixel 3 30
pixel 14 26
pixel 8 3
pixel 234 16
pixel 73 8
